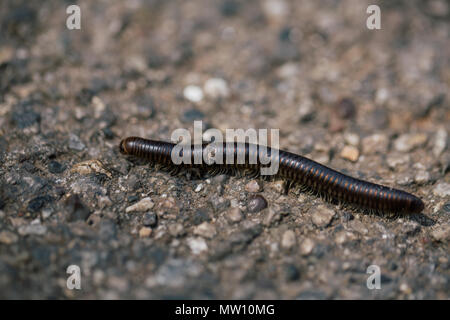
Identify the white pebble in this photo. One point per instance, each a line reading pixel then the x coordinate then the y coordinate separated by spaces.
pixel 288 239
pixel 46 213
pixel 322 216
pixel 275 9
pixel 205 230
pixel 306 246
pixel 193 93
pixel 352 139
pixel 143 205
pixel 377 143
pixel 216 88
pixel 440 142
pixel 32 229
pixel 288 70
pixel 253 186
pixel 408 142
pixel 234 215
pixel 422 177
pixel 197 245
pixel 442 190
pixel 199 188
pixel 382 95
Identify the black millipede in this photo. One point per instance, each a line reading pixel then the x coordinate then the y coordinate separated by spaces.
pixel 323 181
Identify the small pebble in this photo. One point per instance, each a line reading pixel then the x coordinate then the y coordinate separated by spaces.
pixel 75 143
pixel 142 206
pixel 382 96
pixel 176 229
pixel 405 288
pixel 201 215
pixel 109 134
pixel 32 229
pixel 394 160
pixel 193 93
pixel 253 186
pixel 46 213
pixel 358 226
pixel 442 190
pixel 306 246
pixel 216 88
pixel 441 233
pixel 167 203
pixel 234 215
pixel 279 186
pixel 256 204
pixel 273 215
pixel 149 219
pixel 219 203
pixel 340 237
pixel 352 139
pixel 250 230
pixel 197 245
pixel 404 179
pixel 199 188
pixel 322 216
pixel 104 201
pixel 343 236
pixel 377 143
pixel 55 167
pixel 89 167
pixel 440 142
pixel 306 111
pixel 288 239
pixel 422 177
pixel 8 237
pixel 408 142
pixel 288 70
pixel 145 232
pixel 132 198
pixel 350 153
pixel 275 10
pixel 345 108
pixel 205 230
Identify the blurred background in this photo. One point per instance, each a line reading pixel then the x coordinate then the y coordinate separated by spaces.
pixel 372 103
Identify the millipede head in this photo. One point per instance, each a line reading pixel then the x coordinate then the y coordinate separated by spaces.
pixel 410 204
pixel 122 146
pixel 415 205
pixel 128 145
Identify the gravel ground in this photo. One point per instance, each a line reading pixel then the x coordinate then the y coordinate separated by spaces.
pixel 371 103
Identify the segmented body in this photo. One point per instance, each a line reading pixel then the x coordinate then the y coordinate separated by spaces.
pixel 292 167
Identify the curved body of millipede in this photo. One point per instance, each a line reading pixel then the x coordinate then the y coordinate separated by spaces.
pixel 294 168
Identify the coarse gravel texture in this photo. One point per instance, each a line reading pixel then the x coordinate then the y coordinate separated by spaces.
pixel 371 103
